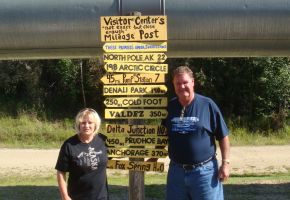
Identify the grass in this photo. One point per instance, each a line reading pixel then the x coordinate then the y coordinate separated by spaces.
pixel 34 187
pixel 241 137
pixel 26 131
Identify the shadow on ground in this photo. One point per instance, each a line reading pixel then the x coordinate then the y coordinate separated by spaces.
pixel 258 191
pixel 153 192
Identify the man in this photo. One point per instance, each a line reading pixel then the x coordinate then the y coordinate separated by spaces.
pixel 193 124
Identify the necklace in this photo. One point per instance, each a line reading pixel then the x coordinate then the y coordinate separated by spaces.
pixel 182 113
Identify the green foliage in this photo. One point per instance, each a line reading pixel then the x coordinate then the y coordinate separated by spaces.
pixel 243 136
pixel 274 95
pixel 51 88
pixel 252 92
pixel 27 130
pixel 19 85
pixel 60 81
pixel 255 89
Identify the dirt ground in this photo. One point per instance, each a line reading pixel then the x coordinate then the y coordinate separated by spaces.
pixel 254 159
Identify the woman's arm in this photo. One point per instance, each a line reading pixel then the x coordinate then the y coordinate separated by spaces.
pixel 62 186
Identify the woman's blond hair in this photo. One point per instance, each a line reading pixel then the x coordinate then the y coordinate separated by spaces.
pixel 85 112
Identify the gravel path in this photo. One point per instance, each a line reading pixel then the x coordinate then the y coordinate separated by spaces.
pixel 246 159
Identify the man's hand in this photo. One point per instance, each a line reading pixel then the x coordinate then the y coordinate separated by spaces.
pixel 224 171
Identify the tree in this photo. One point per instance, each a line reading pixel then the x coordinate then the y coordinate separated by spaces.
pixel 256 89
pixel 19 85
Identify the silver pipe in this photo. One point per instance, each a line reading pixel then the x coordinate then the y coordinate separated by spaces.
pixel 38 29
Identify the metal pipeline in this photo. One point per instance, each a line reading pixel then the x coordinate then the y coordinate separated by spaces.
pixel 35 29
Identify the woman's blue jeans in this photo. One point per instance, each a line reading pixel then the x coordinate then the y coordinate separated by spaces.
pixel 200 183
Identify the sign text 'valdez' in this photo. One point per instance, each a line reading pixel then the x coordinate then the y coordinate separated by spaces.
pixel 135 113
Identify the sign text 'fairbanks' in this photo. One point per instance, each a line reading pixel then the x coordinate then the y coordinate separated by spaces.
pixel 135 47
pixel 136 166
pixel 136 67
pixel 136 153
pixel 135 114
pixel 135 130
pixel 133 28
pixel 132 78
pixel 135 57
pixel 134 102
pixel 134 89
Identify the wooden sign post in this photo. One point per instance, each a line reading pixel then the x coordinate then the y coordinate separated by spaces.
pixel 134 56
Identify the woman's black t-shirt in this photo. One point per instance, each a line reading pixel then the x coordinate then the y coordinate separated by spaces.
pixel 86 164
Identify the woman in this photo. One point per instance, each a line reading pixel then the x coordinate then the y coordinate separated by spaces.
pixel 84 157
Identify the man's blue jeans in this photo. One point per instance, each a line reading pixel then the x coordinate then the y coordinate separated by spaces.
pixel 200 183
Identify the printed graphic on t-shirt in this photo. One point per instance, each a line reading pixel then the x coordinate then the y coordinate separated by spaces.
pixel 184 125
pixel 90 159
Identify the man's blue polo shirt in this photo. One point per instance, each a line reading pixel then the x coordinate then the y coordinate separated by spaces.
pixel 192 136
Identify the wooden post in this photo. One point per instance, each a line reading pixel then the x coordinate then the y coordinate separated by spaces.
pixel 136 183
pixel 136 178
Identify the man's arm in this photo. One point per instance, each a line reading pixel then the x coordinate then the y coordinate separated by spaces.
pixel 224 171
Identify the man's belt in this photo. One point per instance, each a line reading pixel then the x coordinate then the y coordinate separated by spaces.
pixel 188 167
